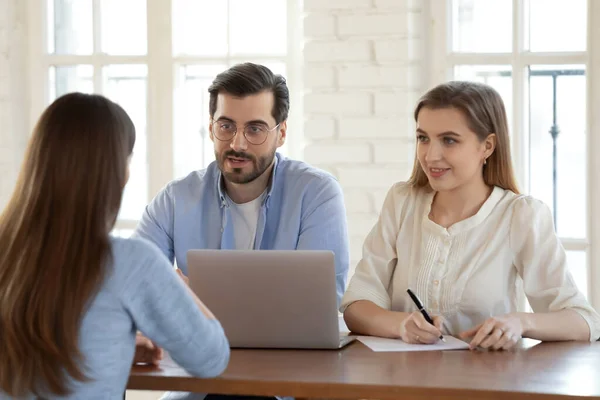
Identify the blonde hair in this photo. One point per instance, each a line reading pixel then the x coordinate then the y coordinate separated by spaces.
pixel 484 110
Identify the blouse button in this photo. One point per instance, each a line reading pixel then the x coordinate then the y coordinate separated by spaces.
pixel 436 282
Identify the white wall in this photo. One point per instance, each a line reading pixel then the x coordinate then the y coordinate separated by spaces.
pixel 362 63
pixel 13 93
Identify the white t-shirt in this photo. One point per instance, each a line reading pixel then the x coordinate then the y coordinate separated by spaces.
pixel 245 219
pixel 468 272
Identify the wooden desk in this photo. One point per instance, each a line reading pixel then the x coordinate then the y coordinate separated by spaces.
pixel 534 371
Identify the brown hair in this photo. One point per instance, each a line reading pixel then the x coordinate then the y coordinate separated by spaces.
pixel 247 78
pixel 54 240
pixel 484 110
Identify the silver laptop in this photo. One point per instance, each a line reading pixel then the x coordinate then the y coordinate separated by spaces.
pixel 270 298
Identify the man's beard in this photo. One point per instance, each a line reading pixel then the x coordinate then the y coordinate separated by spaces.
pixel 259 166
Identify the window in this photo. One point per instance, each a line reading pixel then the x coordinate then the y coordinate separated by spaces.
pixel 548 78
pixel 156 58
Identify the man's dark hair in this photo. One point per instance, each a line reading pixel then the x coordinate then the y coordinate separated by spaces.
pixel 245 79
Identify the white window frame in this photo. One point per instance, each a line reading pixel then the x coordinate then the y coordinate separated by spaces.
pixel 161 80
pixel 441 62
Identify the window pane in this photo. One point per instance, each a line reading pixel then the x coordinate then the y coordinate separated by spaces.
pixel 200 27
pixel 557 25
pixel 577 261
pixel 70 26
pixel 124 233
pixel 66 79
pixel 482 26
pixel 558 174
pixel 497 76
pixel 258 27
pixel 192 146
pixel 126 85
pixel 123 27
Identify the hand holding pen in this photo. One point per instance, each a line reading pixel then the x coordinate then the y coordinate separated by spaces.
pixel 419 327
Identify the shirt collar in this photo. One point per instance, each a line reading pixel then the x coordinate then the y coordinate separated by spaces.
pixel 484 211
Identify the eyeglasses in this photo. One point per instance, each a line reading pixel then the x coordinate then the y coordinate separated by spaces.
pixel 255 133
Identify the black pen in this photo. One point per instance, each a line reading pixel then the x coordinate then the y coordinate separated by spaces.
pixel 419 305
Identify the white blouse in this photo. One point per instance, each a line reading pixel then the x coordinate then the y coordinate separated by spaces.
pixel 470 271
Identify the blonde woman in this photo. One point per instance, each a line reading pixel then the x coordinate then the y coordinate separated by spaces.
pixel 459 235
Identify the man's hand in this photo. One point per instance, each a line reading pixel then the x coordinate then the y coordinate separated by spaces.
pixel 146 351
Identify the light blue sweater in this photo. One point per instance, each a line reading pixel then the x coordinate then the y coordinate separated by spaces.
pixel 143 292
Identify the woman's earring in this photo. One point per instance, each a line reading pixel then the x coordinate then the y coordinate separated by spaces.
pixel 485 161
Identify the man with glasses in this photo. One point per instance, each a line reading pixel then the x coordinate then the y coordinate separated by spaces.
pixel 250 197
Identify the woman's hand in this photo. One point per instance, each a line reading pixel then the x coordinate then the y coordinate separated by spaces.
pixel 146 351
pixel 416 330
pixel 496 333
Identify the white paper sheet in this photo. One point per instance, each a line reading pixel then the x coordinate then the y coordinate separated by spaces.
pixel 383 344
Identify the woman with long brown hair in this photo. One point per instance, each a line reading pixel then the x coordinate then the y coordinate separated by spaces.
pixel 459 235
pixel 71 296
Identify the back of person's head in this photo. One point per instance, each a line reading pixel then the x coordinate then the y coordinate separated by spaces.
pixel 485 113
pixel 246 79
pixel 54 240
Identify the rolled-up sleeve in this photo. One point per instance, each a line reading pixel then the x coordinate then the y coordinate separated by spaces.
pixel 542 263
pixel 373 274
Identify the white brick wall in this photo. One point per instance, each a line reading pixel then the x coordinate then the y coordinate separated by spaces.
pixel 13 93
pixel 362 66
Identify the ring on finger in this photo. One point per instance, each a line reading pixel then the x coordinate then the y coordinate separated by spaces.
pixel 417 338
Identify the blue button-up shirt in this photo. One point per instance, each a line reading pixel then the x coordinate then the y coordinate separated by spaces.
pixel 303 210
